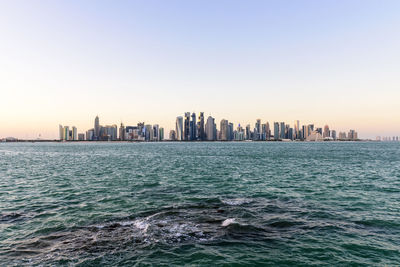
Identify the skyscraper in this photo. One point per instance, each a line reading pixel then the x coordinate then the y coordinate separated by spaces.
pixel 122 132
pixel 148 132
pixel 193 128
pixel 353 135
pixel 66 133
pixel 200 127
pixel 161 134
pixel 211 131
pixel 310 129
pixel 326 133
pixel 156 129
pixel 248 132
pixel 172 135
pixel 296 133
pixel 342 136
pixel 276 130
pixel 61 132
pixel 179 128
pixel 97 128
pixel 282 131
pixel 186 128
pixel 74 133
pixel 258 130
pixel 333 135
pixel 267 131
pixel 230 131
pixel 263 132
pixel 224 128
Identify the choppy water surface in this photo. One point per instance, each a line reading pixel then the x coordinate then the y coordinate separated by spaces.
pixel 200 203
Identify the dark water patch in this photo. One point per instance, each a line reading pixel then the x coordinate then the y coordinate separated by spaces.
pixel 376 223
pixel 284 224
pixel 10 217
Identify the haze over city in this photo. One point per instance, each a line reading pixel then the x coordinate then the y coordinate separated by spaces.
pixel 318 62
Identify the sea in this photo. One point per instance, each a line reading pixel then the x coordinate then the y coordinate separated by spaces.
pixel 200 204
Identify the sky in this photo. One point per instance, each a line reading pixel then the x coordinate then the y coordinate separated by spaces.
pixel 322 62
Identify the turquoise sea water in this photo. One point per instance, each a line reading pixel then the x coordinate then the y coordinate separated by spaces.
pixel 247 203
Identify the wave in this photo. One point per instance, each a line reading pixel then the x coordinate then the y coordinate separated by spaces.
pixel 228 222
pixel 236 201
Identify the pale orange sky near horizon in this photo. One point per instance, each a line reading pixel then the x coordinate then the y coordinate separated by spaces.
pixel 314 62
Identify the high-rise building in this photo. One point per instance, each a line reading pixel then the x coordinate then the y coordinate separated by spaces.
pixel 333 134
pixel 186 129
pixel 248 133
pixel 263 135
pixel 230 131
pixel 97 128
pixel 287 129
pixel 81 137
pixel 179 128
pixel 238 135
pixel 74 133
pixel 327 132
pixel 267 131
pixel 156 129
pixel 122 132
pixel 193 128
pixel 148 132
pixel 66 133
pixel 304 132
pixel 276 131
pixel 310 129
pixel 172 135
pixel 224 130
pixel 161 134
pixel 352 135
pixel 296 133
pixel 109 133
pixel 211 131
pixel 282 131
pixel 200 127
pixel 258 130
pixel 90 135
pixel 342 136
pixel 290 134
pixel 61 132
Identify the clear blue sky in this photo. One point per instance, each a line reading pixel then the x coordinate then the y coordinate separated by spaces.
pixel 327 62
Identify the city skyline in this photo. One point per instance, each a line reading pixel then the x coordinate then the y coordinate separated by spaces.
pixel 172 126
pixel 329 63
pixel 192 128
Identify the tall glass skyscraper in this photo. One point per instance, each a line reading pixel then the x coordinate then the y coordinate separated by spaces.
pixel 224 128
pixel 97 128
pixel 200 127
pixel 282 131
pixel 179 128
pixel 186 130
pixel 276 130
pixel 211 129
pixel 193 128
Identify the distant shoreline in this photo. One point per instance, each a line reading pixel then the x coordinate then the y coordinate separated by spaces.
pixel 174 141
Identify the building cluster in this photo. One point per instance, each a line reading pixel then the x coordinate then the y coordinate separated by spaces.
pixel 187 128
pixel 140 132
pixel 192 128
pixel 387 138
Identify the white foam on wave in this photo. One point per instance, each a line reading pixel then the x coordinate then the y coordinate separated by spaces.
pixel 228 222
pixel 127 223
pixel 236 201
pixel 142 225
